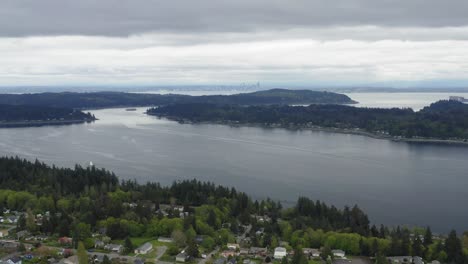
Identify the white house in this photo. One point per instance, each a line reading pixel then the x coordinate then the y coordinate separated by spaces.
pixel 232 246
pixel 338 253
pixel 144 249
pixel 280 253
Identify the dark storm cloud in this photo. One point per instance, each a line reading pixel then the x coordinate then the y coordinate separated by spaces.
pixel 127 17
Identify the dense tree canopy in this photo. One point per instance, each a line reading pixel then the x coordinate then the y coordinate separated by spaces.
pixel 443 119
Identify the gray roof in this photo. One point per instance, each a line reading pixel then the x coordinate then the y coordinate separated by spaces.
pixel 146 246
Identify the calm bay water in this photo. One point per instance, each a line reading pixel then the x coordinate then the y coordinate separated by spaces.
pixel 396 183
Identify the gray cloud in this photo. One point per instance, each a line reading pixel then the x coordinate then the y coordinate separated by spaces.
pixel 129 17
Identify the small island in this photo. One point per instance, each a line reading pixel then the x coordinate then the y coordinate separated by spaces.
pixel 30 115
pixel 443 121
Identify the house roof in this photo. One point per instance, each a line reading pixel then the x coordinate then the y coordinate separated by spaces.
pixel 145 246
pixel 15 259
pixel 280 249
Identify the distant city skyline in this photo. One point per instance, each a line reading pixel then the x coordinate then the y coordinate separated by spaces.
pixel 295 44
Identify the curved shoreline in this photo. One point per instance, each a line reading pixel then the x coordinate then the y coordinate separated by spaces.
pixel 43 123
pixel 328 129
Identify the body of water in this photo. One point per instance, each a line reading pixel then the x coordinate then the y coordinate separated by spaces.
pixel 402 100
pixel 394 182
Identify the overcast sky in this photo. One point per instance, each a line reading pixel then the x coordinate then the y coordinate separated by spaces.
pixel 310 42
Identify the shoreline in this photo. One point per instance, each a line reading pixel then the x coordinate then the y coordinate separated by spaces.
pixel 347 131
pixel 17 124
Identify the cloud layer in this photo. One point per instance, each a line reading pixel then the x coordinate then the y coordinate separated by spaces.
pixel 312 42
pixel 128 17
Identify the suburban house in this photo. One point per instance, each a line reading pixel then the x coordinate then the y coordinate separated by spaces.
pixel 244 251
pixel 228 253
pixel 12 219
pixel 280 253
pixel 14 260
pixel 182 257
pixel 338 253
pixel 99 244
pixel 311 252
pixel 405 259
pixel 232 246
pixel 165 239
pixel 114 248
pixel 144 249
pixel 258 251
pixel 65 240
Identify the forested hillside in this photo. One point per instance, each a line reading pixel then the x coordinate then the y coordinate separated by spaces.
pixel 81 201
pixel 442 120
pixel 115 99
pixel 30 113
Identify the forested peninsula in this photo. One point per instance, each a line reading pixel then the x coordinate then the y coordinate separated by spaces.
pixel 59 209
pixel 33 115
pixel 441 121
pixel 120 99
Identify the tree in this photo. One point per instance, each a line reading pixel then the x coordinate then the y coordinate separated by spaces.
pixel 453 248
pixel 30 221
pixel 285 260
pixel 192 249
pixel 82 232
pixel 128 246
pixel 21 247
pixel 179 238
pixel 81 254
pixel 326 252
pixel 427 237
pixel 211 218
pixel 299 257
pixel 417 247
pixel 381 259
pixel 106 260
pixel 21 225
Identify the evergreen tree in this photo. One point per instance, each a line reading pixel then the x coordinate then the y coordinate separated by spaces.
pixel 192 249
pixel 299 257
pixel 427 237
pixel 128 246
pixel 453 248
pixel 81 254
pixel 381 259
pixel 106 260
pixel 417 249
